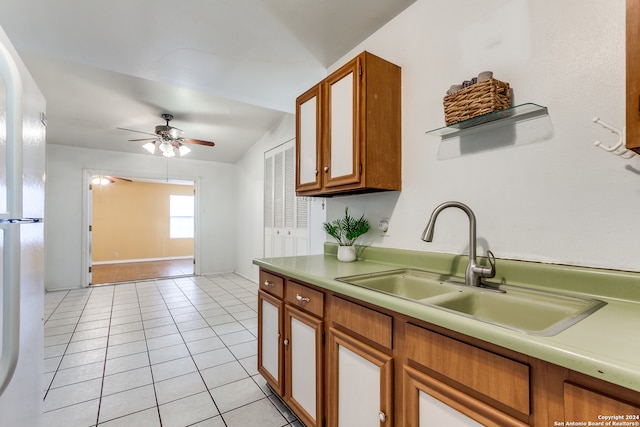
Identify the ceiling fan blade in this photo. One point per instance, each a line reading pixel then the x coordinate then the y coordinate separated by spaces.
pixel 118 178
pixel 143 139
pixel 139 131
pixel 197 142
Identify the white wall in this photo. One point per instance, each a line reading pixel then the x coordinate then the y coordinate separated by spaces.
pixel 65 198
pixel 559 201
pixel 250 190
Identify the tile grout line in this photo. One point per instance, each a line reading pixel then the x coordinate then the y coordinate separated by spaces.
pixel 238 360
pixel 225 345
pixel 193 292
pixel 67 345
pixel 106 350
pixel 187 347
pixel 135 286
pixel 144 333
pixel 44 321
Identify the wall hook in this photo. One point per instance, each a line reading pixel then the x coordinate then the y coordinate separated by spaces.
pixel 617 148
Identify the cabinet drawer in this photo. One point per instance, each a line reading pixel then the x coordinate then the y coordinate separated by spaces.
pixel 306 298
pixel 492 375
pixel 583 404
pixel 272 284
pixel 363 321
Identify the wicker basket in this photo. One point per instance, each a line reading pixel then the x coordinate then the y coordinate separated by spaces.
pixel 475 100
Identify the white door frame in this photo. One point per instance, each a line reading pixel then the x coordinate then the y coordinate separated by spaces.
pixel 86 214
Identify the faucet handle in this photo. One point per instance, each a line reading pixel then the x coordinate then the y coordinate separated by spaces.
pixel 482 271
pixel 490 271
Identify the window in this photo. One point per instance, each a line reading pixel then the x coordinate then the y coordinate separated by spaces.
pixel 180 217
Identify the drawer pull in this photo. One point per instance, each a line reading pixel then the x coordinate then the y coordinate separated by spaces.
pixel 382 416
pixel 269 284
pixel 301 298
pixel 286 342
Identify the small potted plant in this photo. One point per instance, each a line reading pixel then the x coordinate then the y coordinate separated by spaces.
pixel 346 231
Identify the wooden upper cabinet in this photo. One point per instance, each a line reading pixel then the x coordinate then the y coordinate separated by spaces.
pixel 341 153
pixel 633 75
pixel 308 154
pixel 348 136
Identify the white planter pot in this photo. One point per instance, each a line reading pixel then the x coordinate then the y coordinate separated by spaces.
pixel 346 253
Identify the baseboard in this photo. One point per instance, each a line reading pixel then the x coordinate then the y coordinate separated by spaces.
pixel 126 261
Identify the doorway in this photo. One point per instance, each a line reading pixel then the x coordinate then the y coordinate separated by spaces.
pixel 140 229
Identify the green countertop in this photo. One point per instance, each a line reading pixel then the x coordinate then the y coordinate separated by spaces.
pixel 605 345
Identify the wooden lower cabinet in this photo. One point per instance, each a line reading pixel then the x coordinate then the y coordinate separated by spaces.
pixel 429 402
pixel 339 362
pixel 303 365
pixel 290 344
pixel 360 365
pixel 584 405
pixel 270 351
pixel 271 329
pixel 449 382
pixel 360 383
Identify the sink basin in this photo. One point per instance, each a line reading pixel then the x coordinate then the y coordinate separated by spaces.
pixel 526 310
pixel 531 311
pixel 406 283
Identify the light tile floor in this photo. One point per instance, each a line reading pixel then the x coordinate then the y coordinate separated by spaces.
pixel 171 352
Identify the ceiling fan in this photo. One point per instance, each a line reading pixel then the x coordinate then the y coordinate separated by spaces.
pixel 107 179
pixel 168 139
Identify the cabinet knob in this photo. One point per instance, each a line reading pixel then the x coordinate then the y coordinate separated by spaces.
pixel 382 416
pixel 269 284
pixel 315 172
pixel 301 298
pixel 326 168
pixel 285 342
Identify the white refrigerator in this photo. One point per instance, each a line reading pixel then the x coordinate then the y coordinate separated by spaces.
pixel 22 166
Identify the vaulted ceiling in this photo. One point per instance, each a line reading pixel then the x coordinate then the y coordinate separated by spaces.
pixel 228 70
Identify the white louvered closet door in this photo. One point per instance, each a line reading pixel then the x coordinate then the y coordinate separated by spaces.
pixel 286 216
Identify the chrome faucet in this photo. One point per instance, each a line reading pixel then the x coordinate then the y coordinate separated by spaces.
pixel 474 272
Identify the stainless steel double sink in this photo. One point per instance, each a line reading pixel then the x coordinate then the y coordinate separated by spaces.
pixel 530 311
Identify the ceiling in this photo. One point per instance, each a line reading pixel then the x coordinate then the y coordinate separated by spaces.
pixel 228 70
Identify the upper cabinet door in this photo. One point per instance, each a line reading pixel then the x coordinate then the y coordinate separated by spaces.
pixel 308 146
pixel 633 75
pixel 341 161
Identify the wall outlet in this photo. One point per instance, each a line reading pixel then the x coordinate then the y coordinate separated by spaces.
pixel 383 225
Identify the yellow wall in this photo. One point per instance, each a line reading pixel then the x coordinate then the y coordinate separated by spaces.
pixel 132 220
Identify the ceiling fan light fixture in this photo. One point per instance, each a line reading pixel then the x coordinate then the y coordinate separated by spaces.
pixel 167 149
pixel 150 147
pixel 184 150
pixel 101 180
